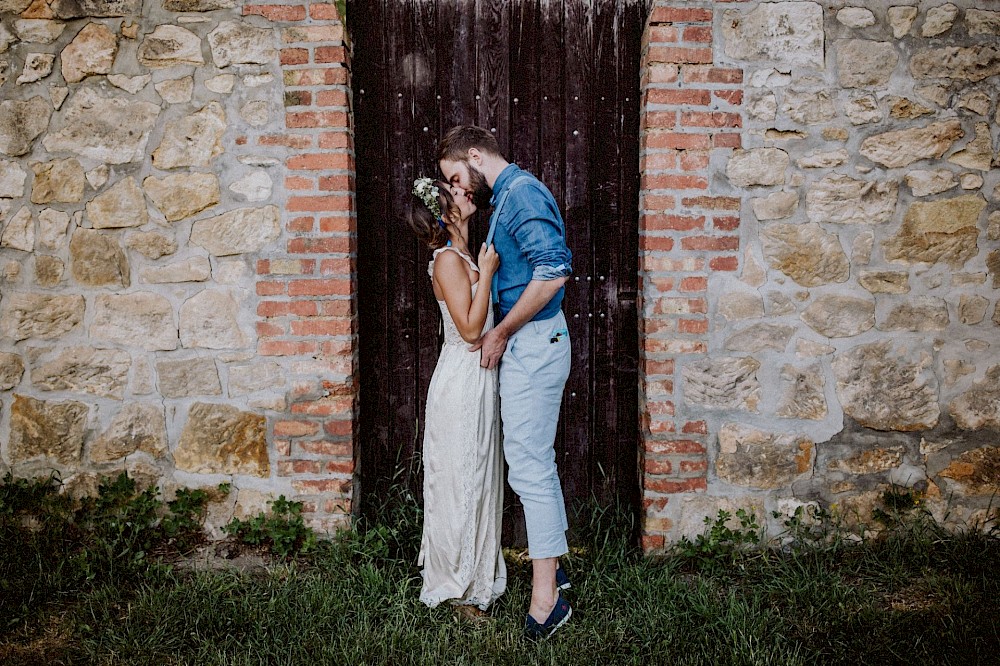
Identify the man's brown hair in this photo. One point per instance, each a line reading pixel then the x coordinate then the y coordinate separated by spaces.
pixel 456 143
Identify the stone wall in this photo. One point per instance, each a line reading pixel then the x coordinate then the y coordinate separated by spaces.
pixel 167 307
pixel 846 338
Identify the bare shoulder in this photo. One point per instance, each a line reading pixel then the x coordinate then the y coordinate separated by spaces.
pixel 448 265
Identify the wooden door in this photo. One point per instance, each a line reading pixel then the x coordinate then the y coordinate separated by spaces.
pixel 558 83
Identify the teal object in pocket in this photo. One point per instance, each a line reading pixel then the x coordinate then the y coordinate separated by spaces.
pixel 559 335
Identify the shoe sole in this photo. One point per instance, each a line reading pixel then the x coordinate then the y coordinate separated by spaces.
pixel 569 614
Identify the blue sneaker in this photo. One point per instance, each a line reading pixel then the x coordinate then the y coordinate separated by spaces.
pixel 562 580
pixel 557 618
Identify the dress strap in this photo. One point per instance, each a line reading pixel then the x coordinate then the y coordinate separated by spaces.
pixel 468 259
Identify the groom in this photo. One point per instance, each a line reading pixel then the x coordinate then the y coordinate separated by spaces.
pixel 531 344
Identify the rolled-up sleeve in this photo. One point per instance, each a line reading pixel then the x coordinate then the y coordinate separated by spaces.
pixel 537 230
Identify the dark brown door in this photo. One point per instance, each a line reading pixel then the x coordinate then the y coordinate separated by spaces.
pixel 558 82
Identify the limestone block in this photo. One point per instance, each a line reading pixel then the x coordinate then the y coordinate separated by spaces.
pixel 113 130
pixel 222 84
pixel 993 226
pixel 40 315
pixel 861 248
pixel 43 429
pixel 922 313
pixel 900 148
pixel 722 383
pixel 939 20
pixel 197 5
pixel 38 31
pixel 757 166
pixel 856 17
pixel 926 182
pixel 98 176
pixel 91 52
pixel 823 159
pixel 238 43
pixel 11 370
pixel 209 319
pixel 36 67
pixel 239 231
pixel 872 461
pixel 841 199
pixel 194 269
pixel 143 382
pixel 977 472
pixel 837 316
pixel 972 309
pixel 120 206
pixel 970 181
pixel 982 22
pixel 978 153
pixel 779 304
pixel 194 140
pixel 901 19
pixel 68 9
pixel 937 93
pixel 968 63
pixel 758 337
pixel 993 266
pixel 763 107
pixel 938 231
pixel 188 377
pixel 98 260
pixel 220 439
pixel 12 178
pixel 48 270
pixel 58 95
pixel 59 180
pixel 151 244
pixel 21 121
pixel 52 226
pixel 176 91
pixel 256 114
pixel 19 231
pixel 862 63
pixel 101 372
pixel 753 273
pixel 182 195
pixel 812 349
pixel 13 6
pixel 255 186
pixel 883 391
pixel 734 305
pixel 130 84
pixel 805 252
pixel 250 378
pixel 136 427
pixel 802 393
pixel 810 108
pixel 977 101
pixel 863 110
pixel 140 319
pixel 775 206
pixel 885 282
pixel 787 32
pixel 764 460
pixel 170 45
pixel 907 109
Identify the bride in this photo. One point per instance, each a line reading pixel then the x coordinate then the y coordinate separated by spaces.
pixel 463 485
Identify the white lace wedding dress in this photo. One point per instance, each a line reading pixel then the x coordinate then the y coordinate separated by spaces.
pixel 463 484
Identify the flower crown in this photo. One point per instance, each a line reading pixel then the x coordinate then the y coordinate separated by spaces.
pixel 425 190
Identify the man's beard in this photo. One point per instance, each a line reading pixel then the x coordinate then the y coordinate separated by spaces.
pixel 481 192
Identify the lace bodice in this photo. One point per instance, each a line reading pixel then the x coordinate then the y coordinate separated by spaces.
pixel 451 334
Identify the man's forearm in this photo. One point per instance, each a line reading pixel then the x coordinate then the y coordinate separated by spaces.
pixel 535 297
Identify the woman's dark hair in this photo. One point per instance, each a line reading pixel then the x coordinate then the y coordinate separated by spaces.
pixel 425 225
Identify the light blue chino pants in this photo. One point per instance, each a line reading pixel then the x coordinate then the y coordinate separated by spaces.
pixel 533 373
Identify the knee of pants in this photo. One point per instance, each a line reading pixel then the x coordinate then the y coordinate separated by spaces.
pixel 534 484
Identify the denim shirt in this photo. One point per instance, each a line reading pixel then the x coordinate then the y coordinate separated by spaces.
pixel 530 238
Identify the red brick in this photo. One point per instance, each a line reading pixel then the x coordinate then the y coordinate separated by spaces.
pixel 276 12
pixel 702 74
pixel 732 96
pixel 308 119
pixel 678 96
pixel 324 11
pixel 673 182
pixel 675 446
pixel 651 262
pixel 699 427
pixel 671 222
pixel 339 183
pixel 294 56
pixel 320 327
pixel 728 223
pixel 661 33
pixel 283 308
pixel 710 243
pixel 659 72
pixel 286 348
pixel 653 542
pixel 694 160
pixel 675 305
pixel 299 183
pixel 295 428
pixel 651 367
pixel 660 386
pixel 710 119
pixel 333 140
pixel 292 467
pixel 698 33
pixel 657 466
pixel 658 120
pixel 315 76
pixel 321 203
pixel 334 286
pixel 724 263
pixel 270 288
pixel 680 15
pixel 656 243
pixel 694 284
pixel 324 407
pixel 241 141
pixel 301 224
pixel 285 140
pixel 313 33
pixel 657 202
pixel 727 140
pixel 340 467
pixel 327 54
pixel 326 448
pixel 714 203
pixel 689 466
pixel 319 245
pixel 286 266
pixel 677 140
pixel 298 98
pixel 338 308
pixel 269 330
pixel 332 98
pixel 658 161
pixel 679 55
pixel 338 427
pixel 323 485
pixel 318 161
pixel 661 485
pixel 693 326
pixel 662 285
pixel 336 267
pixel 660 407
pixel 338 223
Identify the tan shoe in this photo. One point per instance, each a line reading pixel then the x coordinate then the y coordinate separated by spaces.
pixel 471 614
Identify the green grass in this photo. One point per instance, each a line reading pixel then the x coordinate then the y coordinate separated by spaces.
pixel 914 595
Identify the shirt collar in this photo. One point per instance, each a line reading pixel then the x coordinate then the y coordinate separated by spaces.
pixel 502 181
